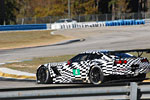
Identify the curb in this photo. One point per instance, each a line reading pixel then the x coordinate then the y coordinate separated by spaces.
pixel 146 81
pixel 6 73
pixel 16 76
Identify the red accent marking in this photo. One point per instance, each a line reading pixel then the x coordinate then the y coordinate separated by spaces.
pixel 124 61
pixel 118 62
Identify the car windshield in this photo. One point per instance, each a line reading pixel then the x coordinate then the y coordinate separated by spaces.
pixel 64 20
pixel 60 21
pixel 69 20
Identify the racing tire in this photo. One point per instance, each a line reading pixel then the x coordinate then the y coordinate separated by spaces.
pixel 141 77
pixel 96 75
pixel 43 76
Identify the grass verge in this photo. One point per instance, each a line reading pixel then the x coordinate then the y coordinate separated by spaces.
pixel 20 39
pixel 31 66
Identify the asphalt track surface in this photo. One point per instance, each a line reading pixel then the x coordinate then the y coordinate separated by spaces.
pixel 110 38
pixel 6 84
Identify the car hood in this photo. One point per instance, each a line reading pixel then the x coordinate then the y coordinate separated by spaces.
pixel 56 63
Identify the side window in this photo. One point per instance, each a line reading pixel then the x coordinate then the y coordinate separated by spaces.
pixel 91 57
pixel 69 20
pixel 98 56
pixel 80 57
pixel 95 56
pixel 84 57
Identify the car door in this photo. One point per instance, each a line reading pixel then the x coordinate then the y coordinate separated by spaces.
pixel 72 69
pixel 78 65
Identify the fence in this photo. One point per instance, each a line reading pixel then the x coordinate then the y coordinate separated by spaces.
pixel 86 18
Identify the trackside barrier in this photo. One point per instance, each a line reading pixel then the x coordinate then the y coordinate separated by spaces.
pixel 77 25
pixel 71 25
pixel 23 27
pixel 96 24
pixel 147 21
pixel 124 22
pixel 132 91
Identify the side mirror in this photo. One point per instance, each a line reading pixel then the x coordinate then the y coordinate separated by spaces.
pixel 69 62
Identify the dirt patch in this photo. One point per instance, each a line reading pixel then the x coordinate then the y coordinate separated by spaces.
pixel 20 39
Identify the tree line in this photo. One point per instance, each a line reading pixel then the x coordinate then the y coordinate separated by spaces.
pixel 12 9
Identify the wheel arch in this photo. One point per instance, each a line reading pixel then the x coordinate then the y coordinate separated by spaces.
pixel 98 64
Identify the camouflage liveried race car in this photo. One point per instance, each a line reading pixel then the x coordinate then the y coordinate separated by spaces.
pixel 96 67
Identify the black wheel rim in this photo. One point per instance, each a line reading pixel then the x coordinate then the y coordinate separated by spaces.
pixel 95 75
pixel 42 75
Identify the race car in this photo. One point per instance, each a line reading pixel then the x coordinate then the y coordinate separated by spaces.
pixel 96 67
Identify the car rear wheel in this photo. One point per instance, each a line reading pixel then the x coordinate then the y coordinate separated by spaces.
pixel 43 76
pixel 141 77
pixel 96 76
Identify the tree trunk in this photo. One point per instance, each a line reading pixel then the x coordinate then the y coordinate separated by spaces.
pixel 113 11
pixel 2 12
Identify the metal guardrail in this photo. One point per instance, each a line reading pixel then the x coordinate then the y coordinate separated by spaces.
pixel 132 91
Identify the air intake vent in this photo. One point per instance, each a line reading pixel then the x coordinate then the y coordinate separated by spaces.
pixel 56 71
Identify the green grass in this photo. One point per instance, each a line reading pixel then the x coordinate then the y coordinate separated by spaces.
pixel 9 40
pixel 31 66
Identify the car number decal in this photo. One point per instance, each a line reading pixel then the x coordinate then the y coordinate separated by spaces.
pixel 76 72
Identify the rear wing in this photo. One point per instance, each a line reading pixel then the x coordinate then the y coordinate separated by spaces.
pixel 139 51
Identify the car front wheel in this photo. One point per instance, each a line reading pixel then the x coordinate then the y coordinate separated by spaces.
pixel 43 76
